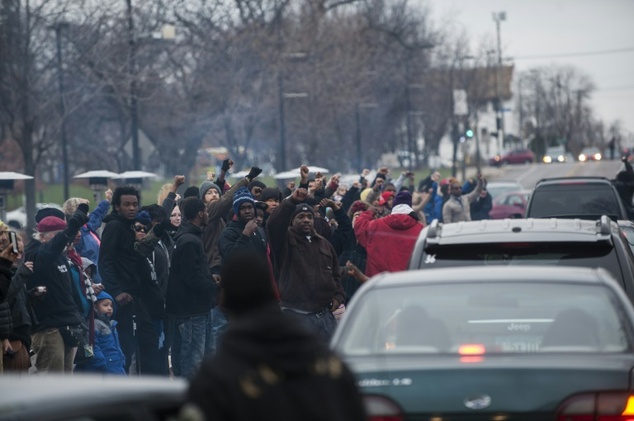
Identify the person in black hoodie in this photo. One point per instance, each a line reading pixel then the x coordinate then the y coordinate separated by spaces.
pixel 59 309
pixel 120 272
pixel 191 292
pixel 268 366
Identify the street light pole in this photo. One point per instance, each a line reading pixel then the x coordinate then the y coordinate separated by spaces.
pixel 134 117
pixel 499 17
pixel 62 105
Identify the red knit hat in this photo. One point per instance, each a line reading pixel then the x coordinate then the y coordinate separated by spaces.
pixel 51 223
pixel 386 195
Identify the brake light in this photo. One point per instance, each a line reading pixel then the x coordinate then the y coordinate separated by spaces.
pixel 602 406
pixel 471 349
pixel 381 408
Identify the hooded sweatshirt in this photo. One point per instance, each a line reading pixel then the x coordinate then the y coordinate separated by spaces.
pixel 268 364
pixel 389 240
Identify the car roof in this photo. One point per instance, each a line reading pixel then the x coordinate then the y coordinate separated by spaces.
pixel 480 274
pixel 38 394
pixel 573 180
pixel 518 230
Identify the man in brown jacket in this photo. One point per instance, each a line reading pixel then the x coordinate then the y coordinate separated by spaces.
pixel 309 277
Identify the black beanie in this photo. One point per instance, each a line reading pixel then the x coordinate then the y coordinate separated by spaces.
pixel 44 212
pixel 302 207
pixel 191 191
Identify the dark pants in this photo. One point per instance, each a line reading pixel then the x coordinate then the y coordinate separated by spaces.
pixel 322 324
pixel 143 339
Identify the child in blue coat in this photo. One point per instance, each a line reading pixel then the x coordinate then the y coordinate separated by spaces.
pixel 108 356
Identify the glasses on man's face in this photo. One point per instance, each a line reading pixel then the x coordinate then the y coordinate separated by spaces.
pixel 139 228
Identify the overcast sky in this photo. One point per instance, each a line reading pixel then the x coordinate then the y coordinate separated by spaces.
pixel 558 28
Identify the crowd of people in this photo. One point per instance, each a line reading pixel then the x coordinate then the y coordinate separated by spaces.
pixel 125 289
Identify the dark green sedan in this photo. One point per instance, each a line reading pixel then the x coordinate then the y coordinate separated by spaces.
pixel 499 343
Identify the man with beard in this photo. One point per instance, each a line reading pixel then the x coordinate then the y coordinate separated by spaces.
pixel 309 277
pixel 190 292
pixel 118 263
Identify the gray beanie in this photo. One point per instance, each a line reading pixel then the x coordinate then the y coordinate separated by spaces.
pixel 206 185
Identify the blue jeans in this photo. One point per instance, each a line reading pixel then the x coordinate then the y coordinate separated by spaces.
pixel 219 325
pixel 322 324
pixel 190 345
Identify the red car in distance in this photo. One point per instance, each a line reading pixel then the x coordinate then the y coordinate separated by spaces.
pixel 516 156
pixel 510 205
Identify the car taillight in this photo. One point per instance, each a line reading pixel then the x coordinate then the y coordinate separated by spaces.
pixel 602 406
pixel 381 408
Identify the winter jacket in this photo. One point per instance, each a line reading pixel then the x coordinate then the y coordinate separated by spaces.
pixel 5 311
pixel 108 356
pixel 22 314
pixel 90 242
pixel 218 211
pixel 481 207
pixel 455 210
pixel 118 258
pixel 232 239
pixel 61 304
pixel 266 364
pixel 389 240
pixel 191 290
pixel 341 237
pixel 309 275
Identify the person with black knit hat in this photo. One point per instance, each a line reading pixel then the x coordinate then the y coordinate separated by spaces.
pixel 265 364
pixel 309 278
pixel 388 240
pixel 242 234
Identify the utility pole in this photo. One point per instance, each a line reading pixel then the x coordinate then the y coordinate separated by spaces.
pixel 62 105
pixel 499 17
pixel 134 116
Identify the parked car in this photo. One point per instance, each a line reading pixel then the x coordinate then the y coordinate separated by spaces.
pixel 17 217
pixel 590 153
pixel 491 343
pixel 556 154
pixel 510 205
pixel 510 242
pixel 516 156
pixel 51 397
pixel 575 197
pixel 496 188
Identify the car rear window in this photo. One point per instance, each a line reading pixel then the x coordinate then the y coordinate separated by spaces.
pixel 580 200
pixel 590 255
pixel 489 318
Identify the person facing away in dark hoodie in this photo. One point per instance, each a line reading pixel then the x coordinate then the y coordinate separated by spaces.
pixel 268 366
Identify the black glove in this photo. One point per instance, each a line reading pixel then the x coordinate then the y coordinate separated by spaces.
pixel 255 171
pixel 225 165
pixel 79 218
pixel 159 229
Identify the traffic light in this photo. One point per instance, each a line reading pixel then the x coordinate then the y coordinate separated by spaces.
pixel 469 133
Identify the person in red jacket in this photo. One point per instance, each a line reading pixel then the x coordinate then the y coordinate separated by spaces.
pixel 389 240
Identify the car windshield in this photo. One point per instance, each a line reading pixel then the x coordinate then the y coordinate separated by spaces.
pixel 584 200
pixel 497 189
pixel 491 317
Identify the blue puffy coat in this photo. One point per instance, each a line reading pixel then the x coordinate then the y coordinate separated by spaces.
pixel 108 355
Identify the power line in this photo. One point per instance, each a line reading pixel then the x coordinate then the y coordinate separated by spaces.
pixel 580 54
